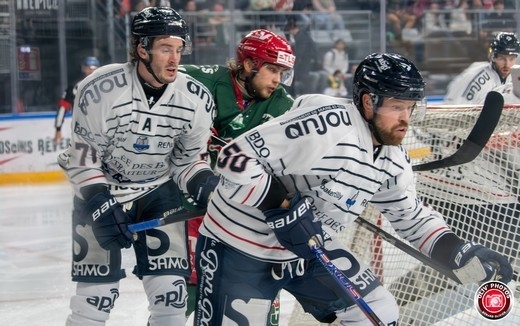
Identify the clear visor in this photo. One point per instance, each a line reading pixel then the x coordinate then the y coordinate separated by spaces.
pixel 416 111
pixel 187 44
pixel 419 111
pixel 287 77
pixel 285 59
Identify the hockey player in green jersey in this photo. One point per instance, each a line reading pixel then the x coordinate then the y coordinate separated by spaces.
pixel 247 92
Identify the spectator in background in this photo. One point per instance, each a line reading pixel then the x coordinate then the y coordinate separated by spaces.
pixel 336 85
pixel 399 16
pixel 273 21
pixel 498 20
pixel 141 4
pixel 325 15
pixel 306 54
pixel 219 20
pixel 434 21
pixel 263 6
pixel 302 10
pixel 336 58
pixel 88 66
pixel 460 22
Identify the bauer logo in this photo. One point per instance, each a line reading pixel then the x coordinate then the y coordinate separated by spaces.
pixel 493 300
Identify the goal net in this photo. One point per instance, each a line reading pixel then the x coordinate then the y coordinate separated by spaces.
pixel 480 201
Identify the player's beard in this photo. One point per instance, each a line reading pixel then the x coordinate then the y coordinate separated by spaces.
pixel 259 92
pixel 390 135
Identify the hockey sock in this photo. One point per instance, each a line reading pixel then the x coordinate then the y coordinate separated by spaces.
pixel 92 303
pixel 167 298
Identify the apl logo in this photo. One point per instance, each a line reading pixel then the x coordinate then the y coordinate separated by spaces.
pixel 141 144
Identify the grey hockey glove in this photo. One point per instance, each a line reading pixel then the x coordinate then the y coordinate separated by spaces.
pixel 474 263
pixel 204 190
pixel 294 226
pixel 109 222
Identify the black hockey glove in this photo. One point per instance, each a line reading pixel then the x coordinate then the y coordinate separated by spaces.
pixel 294 226
pixel 474 263
pixel 204 190
pixel 109 222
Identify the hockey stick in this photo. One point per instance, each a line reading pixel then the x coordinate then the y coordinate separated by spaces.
pixel 407 249
pixel 171 218
pixel 477 139
pixel 344 283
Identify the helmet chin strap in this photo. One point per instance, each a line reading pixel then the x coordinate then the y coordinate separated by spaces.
pixel 249 87
pixel 150 70
pixel 374 131
pixel 247 83
pixel 494 66
pixel 376 102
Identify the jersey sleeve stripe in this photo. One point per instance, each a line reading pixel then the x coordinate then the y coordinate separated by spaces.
pixel 437 231
pixel 208 216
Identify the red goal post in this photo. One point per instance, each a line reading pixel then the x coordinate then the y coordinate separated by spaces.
pixel 481 202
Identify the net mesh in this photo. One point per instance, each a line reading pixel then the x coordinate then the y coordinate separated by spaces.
pixel 480 201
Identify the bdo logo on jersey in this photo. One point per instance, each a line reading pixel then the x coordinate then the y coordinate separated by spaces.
pixel 493 300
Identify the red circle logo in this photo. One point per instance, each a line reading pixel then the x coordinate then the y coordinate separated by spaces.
pixel 493 300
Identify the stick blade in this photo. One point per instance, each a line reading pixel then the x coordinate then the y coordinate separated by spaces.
pixel 478 137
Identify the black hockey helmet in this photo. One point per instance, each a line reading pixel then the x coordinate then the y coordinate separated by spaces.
pixel 504 43
pixel 158 21
pixel 387 75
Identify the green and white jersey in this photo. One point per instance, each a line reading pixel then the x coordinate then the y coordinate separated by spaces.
pixel 234 114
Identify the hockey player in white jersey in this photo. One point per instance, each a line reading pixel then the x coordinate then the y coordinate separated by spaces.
pixel 473 84
pixel 322 162
pixel 140 133
pixel 511 90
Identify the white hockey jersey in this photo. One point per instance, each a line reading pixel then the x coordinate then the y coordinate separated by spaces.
pixel 507 91
pixel 323 149
pixel 473 84
pixel 120 141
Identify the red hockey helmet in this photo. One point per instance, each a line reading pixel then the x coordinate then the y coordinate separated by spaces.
pixel 263 46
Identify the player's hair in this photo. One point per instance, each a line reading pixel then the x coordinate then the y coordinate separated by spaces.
pixel 157 21
pixel 263 46
pixel 504 43
pixel 387 75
